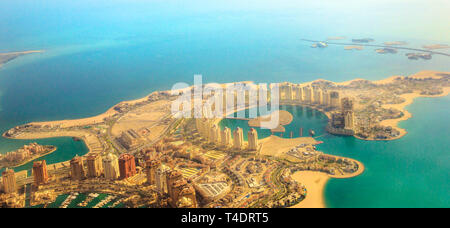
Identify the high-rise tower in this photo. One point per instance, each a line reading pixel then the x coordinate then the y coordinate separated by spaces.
pixel 111 166
pixel 9 181
pixel 40 172
pixel 252 139
pixel 238 139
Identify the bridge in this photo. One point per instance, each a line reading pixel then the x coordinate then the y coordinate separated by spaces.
pixel 382 46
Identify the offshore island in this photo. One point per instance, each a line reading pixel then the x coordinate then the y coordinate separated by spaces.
pixel 141 155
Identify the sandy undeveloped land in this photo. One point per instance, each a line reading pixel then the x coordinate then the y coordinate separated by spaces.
pixel 276 146
pixel 315 185
pixel 148 116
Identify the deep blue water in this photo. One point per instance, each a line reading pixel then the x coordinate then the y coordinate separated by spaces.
pixel 98 53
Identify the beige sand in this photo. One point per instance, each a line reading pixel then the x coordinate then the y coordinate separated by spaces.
pixel 276 146
pixel 315 184
pixel 146 116
pixel 90 120
pixel 284 118
pixel 78 122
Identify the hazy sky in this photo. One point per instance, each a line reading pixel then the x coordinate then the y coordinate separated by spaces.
pixel 408 19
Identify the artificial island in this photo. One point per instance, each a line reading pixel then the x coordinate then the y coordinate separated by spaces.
pixel 141 155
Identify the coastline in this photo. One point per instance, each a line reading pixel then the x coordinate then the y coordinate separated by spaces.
pixel 32 159
pixel 9 56
pixel 409 99
pixel 90 142
pixel 390 122
pixel 315 183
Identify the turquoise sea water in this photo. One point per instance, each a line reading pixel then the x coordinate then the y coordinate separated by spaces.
pixel 413 171
pixel 304 117
pixel 100 53
pixel 409 172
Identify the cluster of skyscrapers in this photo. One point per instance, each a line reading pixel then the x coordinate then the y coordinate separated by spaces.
pixel 312 95
pixel 342 120
pixel 111 166
pixel 213 134
pixel 170 182
pixel 167 182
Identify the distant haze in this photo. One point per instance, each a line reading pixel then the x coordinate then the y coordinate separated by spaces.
pixel 402 19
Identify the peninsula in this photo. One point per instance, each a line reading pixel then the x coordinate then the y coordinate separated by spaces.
pixel 9 56
pixel 24 155
pixel 200 155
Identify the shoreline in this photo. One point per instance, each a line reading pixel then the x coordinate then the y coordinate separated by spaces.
pixel 32 159
pixel 389 122
pixel 48 135
pixel 95 144
pixel 10 56
pixel 394 123
pixel 315 183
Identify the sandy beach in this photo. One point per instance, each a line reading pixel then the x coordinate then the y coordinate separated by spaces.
pixel 315 183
